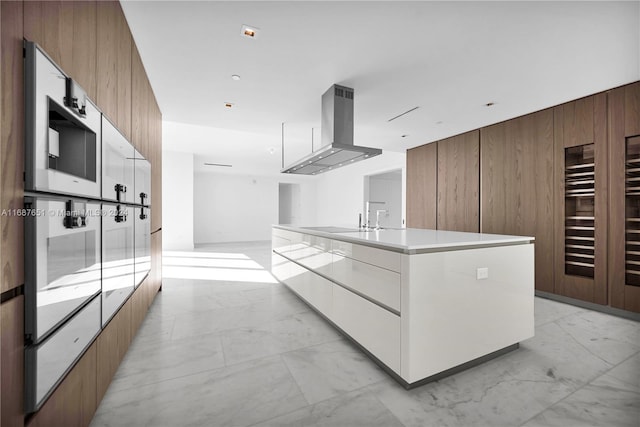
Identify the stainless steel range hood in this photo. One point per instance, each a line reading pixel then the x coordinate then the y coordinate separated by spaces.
pixel 337 148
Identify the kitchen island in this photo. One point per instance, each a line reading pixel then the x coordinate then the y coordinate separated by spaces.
pixel 423 304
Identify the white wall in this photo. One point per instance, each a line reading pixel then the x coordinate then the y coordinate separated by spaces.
pixel 177 200
pixel 341 192
pixel 386 188
pixel 237 208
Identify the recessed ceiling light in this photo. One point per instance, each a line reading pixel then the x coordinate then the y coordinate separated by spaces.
pixel 235 77
pixel 250 31
pixel 404 136
pixel 439 123
pixel 272 150
pixel 228 104
pixel 489 104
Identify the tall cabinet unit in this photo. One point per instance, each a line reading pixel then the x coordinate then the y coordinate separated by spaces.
pixel 422 179
pixel 624 205
pixel 516 185
pixel 580 140
pixel 459 183
pixel 91 41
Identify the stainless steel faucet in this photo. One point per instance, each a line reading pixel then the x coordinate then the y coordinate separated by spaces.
pixel 378 211
pixel 367 222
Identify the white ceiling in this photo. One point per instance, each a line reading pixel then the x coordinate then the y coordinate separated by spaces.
pixel 448 58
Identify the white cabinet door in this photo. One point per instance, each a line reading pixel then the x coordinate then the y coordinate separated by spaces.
pixel 376 329
pixel 376 283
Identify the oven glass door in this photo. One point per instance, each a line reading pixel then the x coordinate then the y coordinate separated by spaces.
pixel 63 261
pixel 117 165
pixel 142 182
pixel 142 243
pixel 62 148
pixel 117 257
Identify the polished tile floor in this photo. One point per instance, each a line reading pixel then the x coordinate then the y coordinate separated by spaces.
pixel 225 345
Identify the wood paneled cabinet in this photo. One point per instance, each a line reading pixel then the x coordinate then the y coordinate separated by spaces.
pixel 66 30
pixel 624 206
pixel 580 151
pixel 516 185
pixel 459 183
pixel 114 68
pixel 422 179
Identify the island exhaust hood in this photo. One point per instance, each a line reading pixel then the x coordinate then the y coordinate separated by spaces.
pixel 337 148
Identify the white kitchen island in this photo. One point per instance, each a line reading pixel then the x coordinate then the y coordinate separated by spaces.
pixel 423 303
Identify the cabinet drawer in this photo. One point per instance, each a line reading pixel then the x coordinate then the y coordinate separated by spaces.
pixel 280 244
pixel 376 329
pixel 385 259
pixel 280 267
pixel 48 362
pixel 320 293
pixel 376 283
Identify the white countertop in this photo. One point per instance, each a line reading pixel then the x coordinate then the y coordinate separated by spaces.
pixel 415 240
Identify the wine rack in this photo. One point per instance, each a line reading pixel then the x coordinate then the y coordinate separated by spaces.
pixel 632 211
pixel 579 238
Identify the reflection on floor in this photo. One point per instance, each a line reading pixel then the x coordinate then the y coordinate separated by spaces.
pixel 226 345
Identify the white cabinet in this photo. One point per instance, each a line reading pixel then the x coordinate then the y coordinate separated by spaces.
pixel 378 284
pixel 376 329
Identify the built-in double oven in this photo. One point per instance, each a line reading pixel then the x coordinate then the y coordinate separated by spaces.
pixel 87 223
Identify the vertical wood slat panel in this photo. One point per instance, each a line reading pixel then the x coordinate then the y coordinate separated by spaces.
pixel 459 183
pixel 422 176
pixel 578 122
pixel 114 65
pixel 107 62
pixel 12 145
pixel 517 194
pixel 123 77
pixel 12 361
pixel 67 32
pixel 111 346
pixel 601 197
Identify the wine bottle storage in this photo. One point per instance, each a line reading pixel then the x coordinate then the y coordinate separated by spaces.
pixel 580 211
pixel 632 211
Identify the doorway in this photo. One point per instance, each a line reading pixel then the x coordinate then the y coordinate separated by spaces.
pixel 288 203
pixel 385 188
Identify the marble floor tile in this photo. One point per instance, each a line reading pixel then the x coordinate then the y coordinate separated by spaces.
pixel 593 405
pixel 546 310
pixel 222 319
pixel 149 363
pixel 326 370
pixel 606 326
pixel 291 333
pixel 625 376
pixel 608 344
pixel 234 353
pixel 354 409
pixel 234 396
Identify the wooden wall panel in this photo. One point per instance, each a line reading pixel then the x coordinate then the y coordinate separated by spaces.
pixel 75 401
pixel 516 185
pixel 12 146
pixel 111 346
pixel 139 305
pixel 139 105
pixel 459 183
pixel 12 362
pixel 581 122
pixel 66 30
pixel 114 44
pixel 624 122
pixel 578 122
pixel 422 179
pixel 155 152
